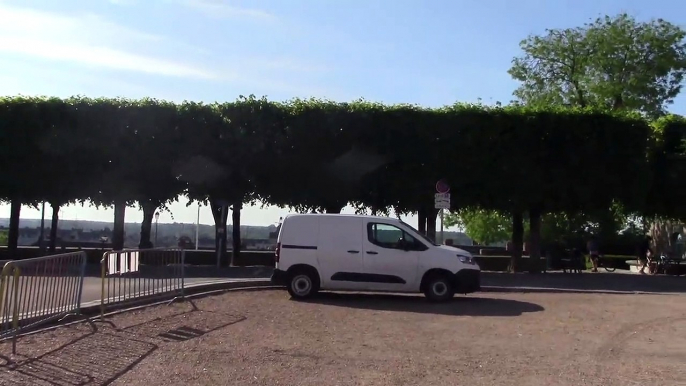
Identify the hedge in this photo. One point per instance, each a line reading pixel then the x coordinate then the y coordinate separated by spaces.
pixel 319 155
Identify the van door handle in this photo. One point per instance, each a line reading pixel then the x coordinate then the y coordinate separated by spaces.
pixel 372 253
pixel 353 251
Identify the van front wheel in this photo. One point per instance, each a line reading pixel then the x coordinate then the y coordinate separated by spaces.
pixel 302 285
pixel 439 287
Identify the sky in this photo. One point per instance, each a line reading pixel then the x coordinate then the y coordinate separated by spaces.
pixel 429 52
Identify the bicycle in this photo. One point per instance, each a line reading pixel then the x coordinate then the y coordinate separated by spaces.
pixel 602 263
pixel 664 264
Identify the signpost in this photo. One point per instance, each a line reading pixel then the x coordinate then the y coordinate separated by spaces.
pixel 442 200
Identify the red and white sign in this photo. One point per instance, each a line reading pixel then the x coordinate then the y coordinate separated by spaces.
pixel 442 187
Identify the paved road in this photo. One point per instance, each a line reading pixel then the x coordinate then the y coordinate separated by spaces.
pixel 61 291
pixel 615 282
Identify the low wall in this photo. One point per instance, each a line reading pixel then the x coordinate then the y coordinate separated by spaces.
pixel 193 257
pixel 266 258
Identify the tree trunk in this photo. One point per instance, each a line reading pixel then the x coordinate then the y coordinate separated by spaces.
pixel 517 241
pixel 146 226
pixel 421 220
pixel 13 235
pixel 236 224
pixel 54 224
pixel 431 223
pixel 535 240
pixel 220 213
pixel 118 229
pixel 335 209
pixel 618 102
pixel 608 227
pixel 374 210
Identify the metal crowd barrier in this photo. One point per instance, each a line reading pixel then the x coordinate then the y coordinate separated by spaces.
pixel 130 276
pixel 39 290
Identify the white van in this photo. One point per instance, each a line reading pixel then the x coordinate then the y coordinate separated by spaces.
pixel 367 253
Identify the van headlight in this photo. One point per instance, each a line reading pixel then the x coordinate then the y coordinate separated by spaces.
pixel 466 259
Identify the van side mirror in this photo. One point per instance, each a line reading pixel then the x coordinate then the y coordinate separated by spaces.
pixel 404 245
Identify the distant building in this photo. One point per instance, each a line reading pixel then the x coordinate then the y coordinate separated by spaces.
pixel 67 238
pixel 259 244
pixel 185 242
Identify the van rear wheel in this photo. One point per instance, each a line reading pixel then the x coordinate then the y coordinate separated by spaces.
pixel 303 284
pixel 439 288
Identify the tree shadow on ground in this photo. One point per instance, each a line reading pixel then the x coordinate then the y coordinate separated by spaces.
pixel 100 352
pixel 95 358
pixel 458 306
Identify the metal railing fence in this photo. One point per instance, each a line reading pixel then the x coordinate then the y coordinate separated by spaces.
pixel 134 275
pixel 39 290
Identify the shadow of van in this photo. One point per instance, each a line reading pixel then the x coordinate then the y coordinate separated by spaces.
pixel 458 306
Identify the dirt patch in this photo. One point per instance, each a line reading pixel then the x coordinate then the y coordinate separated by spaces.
pixel 264 338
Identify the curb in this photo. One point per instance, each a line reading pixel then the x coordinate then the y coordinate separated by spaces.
pixel 91 311
pixel 503 289
pixel 189 292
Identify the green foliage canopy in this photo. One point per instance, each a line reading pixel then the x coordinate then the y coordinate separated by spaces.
pixel 322 155
pixel 614 63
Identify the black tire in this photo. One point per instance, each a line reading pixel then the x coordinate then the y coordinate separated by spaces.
pixel 439 288
pixel 610 269
pixel 303 283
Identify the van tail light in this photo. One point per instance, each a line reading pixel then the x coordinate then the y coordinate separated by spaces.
pixel 277 255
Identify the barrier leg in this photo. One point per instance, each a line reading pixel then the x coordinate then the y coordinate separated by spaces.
pixel 79 290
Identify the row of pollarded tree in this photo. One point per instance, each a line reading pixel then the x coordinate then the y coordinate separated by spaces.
pixel 316 155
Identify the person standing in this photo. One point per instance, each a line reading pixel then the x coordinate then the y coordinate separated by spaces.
pixel 679 248
pixel 593 252
pixel 677 244
pixel 644 253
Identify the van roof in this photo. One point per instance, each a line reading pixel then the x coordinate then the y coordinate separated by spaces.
pixel 343 215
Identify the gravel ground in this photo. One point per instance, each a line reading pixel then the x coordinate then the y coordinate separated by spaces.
pixel 264 338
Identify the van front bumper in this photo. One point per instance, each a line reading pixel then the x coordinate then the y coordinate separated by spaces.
pixel 279 277
pixel 467 281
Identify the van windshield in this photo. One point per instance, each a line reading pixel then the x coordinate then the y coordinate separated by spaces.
pixel 418 234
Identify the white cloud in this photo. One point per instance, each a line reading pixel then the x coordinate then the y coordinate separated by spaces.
pixel 85 39
pixel 221 9
pixel 99 56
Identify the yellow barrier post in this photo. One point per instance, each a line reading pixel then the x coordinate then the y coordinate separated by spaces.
pixel 3 290
pixel 15 314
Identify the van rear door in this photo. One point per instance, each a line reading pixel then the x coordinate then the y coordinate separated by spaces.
pixel 340 252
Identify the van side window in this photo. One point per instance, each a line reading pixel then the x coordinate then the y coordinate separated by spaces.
pixel 392 237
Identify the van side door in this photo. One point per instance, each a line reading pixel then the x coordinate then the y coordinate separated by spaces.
pixel 391 257
pixel 339 252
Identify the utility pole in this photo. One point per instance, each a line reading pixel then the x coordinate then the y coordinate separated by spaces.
pixel 42 229
pixel 197 228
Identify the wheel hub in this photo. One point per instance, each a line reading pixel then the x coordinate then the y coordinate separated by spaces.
pixel 302 285
pixel 439 288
